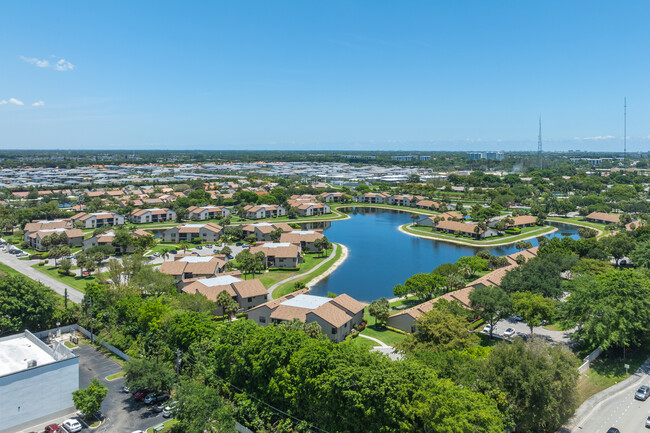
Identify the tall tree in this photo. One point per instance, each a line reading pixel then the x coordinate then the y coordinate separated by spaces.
pixel 491 303
pixel 201 409
pixel 537 275
pixel 24 304
pixel 533 308
pixel 439 330
pixel 89 400
pixel 380 310
pixel 619 245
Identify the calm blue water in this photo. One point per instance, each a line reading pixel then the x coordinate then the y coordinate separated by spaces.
pixel 380 256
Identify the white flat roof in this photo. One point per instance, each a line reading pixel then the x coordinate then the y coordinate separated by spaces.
pixel 310 302
pixel 303 232
pixel 276 244
pixel 262 224
pixel 193 225
pixel 195 259
pixel 15 352
pixel 223 280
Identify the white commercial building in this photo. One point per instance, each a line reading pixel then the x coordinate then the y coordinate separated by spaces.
pixel 36 381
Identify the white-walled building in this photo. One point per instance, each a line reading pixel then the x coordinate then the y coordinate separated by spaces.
pixel 36 381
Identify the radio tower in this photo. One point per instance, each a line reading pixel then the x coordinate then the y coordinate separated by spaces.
pixel 625 128
pixel 539 144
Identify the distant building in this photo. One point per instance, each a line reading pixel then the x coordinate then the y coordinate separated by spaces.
pixel 404 157
pixel 425 157
pixel 497 156
pixel 36 381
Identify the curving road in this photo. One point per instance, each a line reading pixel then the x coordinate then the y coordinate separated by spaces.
pixel 25 268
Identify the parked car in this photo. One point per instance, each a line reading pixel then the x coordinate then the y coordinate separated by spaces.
pixel 156 254
pixel 173 252
pixel 140 394
pixel 509 332
pixel 159 407
pixel 517 317
pixel 239 244
pixel 230 256
pixel 167 411
pixel 647 422
pixel 22 255
pixel 209 246
pixel 199 247
pixel 487 328
pixel 72 425
pixel 613 430
pixel 155 397
pixel 53 428
pixel 642 393
pixel 125 389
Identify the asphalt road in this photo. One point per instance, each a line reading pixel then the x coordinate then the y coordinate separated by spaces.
pixel 25 268
pixel 621 411
pixel 522 329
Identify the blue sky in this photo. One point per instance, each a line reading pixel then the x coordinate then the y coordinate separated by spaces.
pixel 349 75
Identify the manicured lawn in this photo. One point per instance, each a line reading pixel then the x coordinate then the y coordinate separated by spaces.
pixel 168 425
pixel 388 206
pixel 75 282
pixel 363 342
pixel 386 335
pixel 608 370
pixel 115 376
pixel 289 287
pixel 310 261
pixel 580 221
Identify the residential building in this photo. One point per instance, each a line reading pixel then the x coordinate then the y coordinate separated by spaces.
pixel 523 221
pixel 604 218
pixel 97 219
pixel 335 197
pixel 262 231
pixel 498 156
pixel 207 212
pixel 36 380
pixel 337 316
pixel 372 197
pixel 155 215
pixel 311 209
pixel 208 232
pixel 186 267
pixel 279 255
pixel 264 211
pixel 108 237
pixel 35 239
pixel 35 226
pixel 469 229
pixel 304 238
pixel 247 293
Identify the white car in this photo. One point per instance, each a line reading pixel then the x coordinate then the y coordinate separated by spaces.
pixel 509 333
pixel 487 328
pixel 72 425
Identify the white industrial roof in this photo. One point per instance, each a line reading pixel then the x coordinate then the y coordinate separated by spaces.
pixel 16 351
pixel 223 280
pixel 310 302
pixel 195 259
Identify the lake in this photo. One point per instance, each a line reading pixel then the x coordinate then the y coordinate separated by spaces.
pixel 380 256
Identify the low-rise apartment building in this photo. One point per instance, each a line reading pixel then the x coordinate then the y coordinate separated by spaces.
pixel 155 215
pixel 264 211
pixel 97 219
pixel 279 255
pixel 208 232
pixel 247 293
pixel 207 212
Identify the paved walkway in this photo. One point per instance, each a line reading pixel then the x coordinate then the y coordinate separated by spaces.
pixel 25 268
pixel 381 343
pixel 295 277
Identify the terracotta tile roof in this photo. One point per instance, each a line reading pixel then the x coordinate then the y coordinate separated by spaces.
pixel 458 226
pixel 523 220
pixel 602 216
pixel 295 237
pixel 289 251
pixel 349 303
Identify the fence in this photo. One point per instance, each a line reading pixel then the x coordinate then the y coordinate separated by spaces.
pixel 589 359
pixel 84 331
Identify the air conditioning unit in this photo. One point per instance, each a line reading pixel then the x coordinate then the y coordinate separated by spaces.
pixel 31 363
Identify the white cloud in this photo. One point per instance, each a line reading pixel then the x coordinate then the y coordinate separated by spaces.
pixel 63 65
pixel 3 102
pixel 60 65
pixel 38 104
pixel 599 137
pixel 16 101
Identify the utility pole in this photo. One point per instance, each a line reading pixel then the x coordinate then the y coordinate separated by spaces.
pixel 91 321
pixel 178 362
pixel 539 144
pixel 625 129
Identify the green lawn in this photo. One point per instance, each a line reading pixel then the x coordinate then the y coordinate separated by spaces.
pixel 309 262
pixel 116 375
pixel 425 212
pixel 382 334
pixel 363 342
pixel 289 287
pixel 580 221
pixel 168 425
pixel 75 282
pixel 608 370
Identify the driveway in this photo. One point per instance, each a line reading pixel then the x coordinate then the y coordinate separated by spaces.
pixel 123 413
pixel 557 337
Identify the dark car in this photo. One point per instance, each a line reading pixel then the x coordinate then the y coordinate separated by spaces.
pixel 613 430
pixel 173 252
pixel 642 393
pixel 53 428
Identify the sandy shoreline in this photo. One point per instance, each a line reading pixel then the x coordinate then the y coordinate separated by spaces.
pixel 457 242
pixel 339 262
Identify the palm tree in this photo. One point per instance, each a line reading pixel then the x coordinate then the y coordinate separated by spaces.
pixel 185 246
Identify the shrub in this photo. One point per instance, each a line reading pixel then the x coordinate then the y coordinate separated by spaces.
pixel 42 263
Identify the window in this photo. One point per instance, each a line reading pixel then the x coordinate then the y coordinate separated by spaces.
pixel 334 331
pixel 250 299
pixel 262 319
